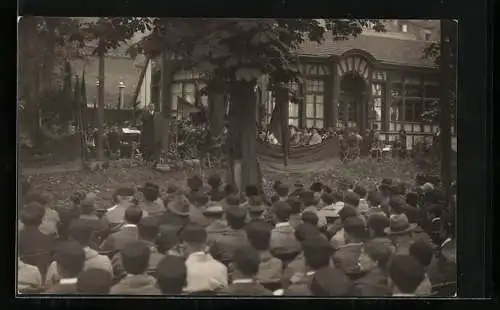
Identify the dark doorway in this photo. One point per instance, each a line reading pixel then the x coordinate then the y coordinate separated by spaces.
pixel 353 102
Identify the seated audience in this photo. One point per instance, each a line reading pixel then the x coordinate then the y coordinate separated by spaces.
pixel 70 259
pixel 245 268
pixel 171 275
pixel 405 275
pixel 29 278
pixel 94 282
pixel 127 233
pixel 135 259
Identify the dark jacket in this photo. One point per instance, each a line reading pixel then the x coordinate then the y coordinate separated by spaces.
pixel 154 259
pixel 300 285
pixel 346 258
pixel 283 240
pixel 374 283
pixel 35 248
pixel 226 243
pixel 246 289
pixel 215 229
pixel 136 285
pixel 99 227
pixel 298 265
pixel 117 240
pixel 270 269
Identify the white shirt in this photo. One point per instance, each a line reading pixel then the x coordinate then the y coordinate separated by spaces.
pixel 236 281
pixel 68 281
pixel 283 224
pixel 204 273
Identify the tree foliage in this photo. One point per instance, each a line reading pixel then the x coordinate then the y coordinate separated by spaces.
pixel 433 51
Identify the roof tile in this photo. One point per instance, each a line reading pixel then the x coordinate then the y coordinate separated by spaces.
pixel 385 49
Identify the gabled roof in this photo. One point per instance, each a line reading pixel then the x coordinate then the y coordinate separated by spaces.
pixel 383 48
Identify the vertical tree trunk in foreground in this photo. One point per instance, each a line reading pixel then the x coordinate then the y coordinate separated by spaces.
pixel 282 99
pixel 445 113
pixel 100 108
pixel 243 131
pixel 166 101
pixel 217 112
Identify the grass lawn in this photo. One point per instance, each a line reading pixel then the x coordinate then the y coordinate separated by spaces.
pixel 104 182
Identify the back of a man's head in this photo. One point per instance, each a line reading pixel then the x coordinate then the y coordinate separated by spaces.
pixel 133 215
pixel 233 200
pixel 94 282
pixel 310 218
pixel 406 273
pixel 422 251
pixel 360 190
pixel 135 257
pixel 195 183
pixel 236 216
pixel 377 223
pixel 215 181
pixel 193 234
pixel 317 252
pixel 32 214
pixel 327 198
pixel 259 235
pixel 171 275
pixel 355 227
pixel 296 205
pixel 282 211
pixel 282 190
pixel 246 260
pixel 347 212
pixel 230 189
pixel 306 231
pixel 148 228
pixel 80 232
pixel 70 259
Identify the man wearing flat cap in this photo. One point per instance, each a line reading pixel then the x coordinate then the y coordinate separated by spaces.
pixel 217 225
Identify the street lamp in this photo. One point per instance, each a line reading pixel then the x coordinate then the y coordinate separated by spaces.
pixel 121 86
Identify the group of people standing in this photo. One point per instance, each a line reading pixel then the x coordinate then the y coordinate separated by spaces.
pixel 393 240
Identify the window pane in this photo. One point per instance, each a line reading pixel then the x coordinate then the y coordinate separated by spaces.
pixel 189 88
pixel 377 106
pixel 396 110
pixel 293 110
pixel 177 89
pixel 419 109
pixel 309 99
pixel 321 86
pixel 174 102
pixel 410 113
pixel 310 123
pixel 293 121
pixel 320 99
pixel 310 110
pixel 431 91
pixel 412 90
pixel 319 110
pixel 353 112
pixel 319 123
pixel 392 126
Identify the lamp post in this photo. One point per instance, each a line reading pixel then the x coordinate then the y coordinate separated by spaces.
pixel 121 86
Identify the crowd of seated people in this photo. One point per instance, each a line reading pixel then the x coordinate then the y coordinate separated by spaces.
pixel 212 239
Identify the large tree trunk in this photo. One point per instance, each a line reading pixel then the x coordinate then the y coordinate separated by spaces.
pixel 100 110
pixel 243 131
pixel 217 112
pixel 447 85
pixel 167 70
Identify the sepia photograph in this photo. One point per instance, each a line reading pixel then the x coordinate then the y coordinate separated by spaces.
pixel 236 157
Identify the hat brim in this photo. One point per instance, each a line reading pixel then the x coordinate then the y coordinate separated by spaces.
pixel 390 232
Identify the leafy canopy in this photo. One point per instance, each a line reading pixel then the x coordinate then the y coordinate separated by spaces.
pixel 245 49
